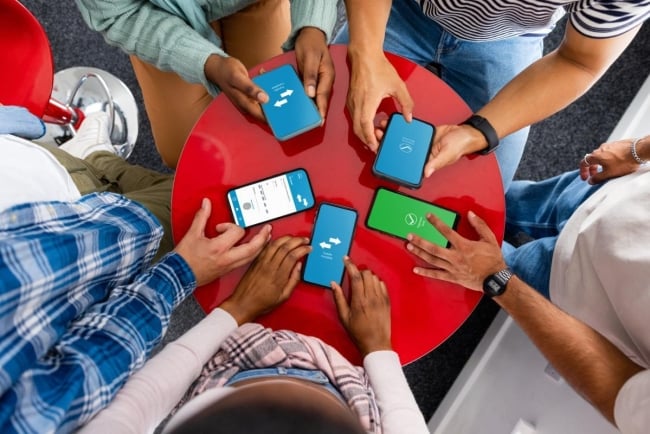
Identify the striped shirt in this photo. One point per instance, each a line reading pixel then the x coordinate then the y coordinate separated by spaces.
pixel 80 308
pixel 489 20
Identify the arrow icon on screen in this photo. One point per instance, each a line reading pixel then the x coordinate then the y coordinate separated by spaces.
pixel 287 93
pixel 280 103
pixel 335 241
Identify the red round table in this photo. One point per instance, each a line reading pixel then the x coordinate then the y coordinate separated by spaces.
pixel 227 149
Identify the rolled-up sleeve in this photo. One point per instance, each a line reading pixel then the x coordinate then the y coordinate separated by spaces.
pixel 632 407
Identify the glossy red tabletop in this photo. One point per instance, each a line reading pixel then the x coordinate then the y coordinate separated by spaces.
pixel 26 75
pixel 226 149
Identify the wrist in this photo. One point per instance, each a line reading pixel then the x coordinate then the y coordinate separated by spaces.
pixel 312 32
pixel 640 149
pixel 235 310
pixel 371 348
pixel 484 137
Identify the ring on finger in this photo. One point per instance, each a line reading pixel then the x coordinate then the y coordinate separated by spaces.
pixel 586 159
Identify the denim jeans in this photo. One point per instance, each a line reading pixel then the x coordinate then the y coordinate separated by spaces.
pixel 541 210
pixel 475 70
pixel 313 376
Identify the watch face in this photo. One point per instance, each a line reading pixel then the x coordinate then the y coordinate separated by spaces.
pixel 491 286
pixel 495 284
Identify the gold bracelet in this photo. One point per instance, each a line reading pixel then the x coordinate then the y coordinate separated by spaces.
pixel 634 153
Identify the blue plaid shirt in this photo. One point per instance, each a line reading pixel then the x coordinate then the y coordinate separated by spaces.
pixel 80 308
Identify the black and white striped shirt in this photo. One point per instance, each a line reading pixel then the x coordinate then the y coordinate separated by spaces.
pixel 488 20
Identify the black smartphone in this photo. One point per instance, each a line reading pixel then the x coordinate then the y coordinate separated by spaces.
pixel 271 198
pixel 404 151
pixel 331 240
pixel 397 214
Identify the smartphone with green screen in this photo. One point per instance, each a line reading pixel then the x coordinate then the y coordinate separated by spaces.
pixel 397 214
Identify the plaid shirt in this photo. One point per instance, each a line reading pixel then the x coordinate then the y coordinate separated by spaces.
pixel 80 309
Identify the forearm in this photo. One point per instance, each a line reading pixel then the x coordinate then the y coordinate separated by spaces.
pixel 367 25
pixel 554 81
pixel 398 409
pixel 153 35
pixel 150 395
pixel 320 14
pixel 593 366
pixel 101 348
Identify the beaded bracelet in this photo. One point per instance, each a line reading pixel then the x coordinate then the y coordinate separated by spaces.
pixel 634 154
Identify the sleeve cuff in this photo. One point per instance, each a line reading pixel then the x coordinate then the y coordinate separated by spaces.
pixel 314 13
pixel 632 402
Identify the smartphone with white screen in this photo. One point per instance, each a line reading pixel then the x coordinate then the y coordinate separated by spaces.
pixel 331 240
pixel 271 198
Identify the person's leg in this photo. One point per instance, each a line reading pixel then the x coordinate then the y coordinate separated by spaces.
pixel 541 209
pixel 172 105
pixel 409 33
pixel 478 70
pixel 147 187
pixel 532 263
pixel 256 33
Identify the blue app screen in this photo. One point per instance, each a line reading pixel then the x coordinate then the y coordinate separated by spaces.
pixel 404 150
pixel 331 240
pixel 271 198
pixel 289 110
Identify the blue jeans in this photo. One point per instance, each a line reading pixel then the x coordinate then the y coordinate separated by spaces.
pixel 313 376
pixel 475 70
pixel 541 210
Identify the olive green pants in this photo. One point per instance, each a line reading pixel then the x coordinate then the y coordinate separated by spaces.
pixel 103 171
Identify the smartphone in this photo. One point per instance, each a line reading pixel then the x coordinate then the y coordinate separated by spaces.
pixel 289 111
pixel 331 240
pixel 397 214
pixel 404 150
pixel 271 198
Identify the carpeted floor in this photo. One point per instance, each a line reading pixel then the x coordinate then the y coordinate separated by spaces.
pixel 555 145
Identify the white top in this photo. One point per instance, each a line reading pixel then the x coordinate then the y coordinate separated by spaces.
pixel 600 274
pixel 29 173
pixel 489 20
pixel 151 393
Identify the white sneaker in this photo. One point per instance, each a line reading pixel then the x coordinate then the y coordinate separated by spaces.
pixel 91 137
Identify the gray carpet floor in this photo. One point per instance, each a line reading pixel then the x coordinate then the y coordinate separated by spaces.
pixel 555 145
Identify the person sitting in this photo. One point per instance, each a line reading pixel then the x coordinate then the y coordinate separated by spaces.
pixel 183 53
pixel 82 306
pixel 227 375
pixel 590 254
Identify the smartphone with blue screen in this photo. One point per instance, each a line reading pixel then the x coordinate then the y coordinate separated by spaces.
pixel 271 198
pixel 397 214
pixel 404 150
pixel 289 110
pixel 331 240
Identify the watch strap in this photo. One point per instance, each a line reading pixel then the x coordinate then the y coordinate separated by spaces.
pixel 488 131
pixel 495 284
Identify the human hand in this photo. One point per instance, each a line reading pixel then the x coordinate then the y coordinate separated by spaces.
pixel 450 144
pixel 372 79
pixel 465 262
pixel 367 317
pixel 615 159
pixel 269 281
pixel 231 76
pixel 211 258
pixel 315 66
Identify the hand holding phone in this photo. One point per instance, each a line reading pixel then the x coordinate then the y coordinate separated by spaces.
pixel 271 198
pixel 331 240
pixel 404 150
pixel 289 110
pixel 397 214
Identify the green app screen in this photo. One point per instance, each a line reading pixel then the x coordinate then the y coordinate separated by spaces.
pixel 399 215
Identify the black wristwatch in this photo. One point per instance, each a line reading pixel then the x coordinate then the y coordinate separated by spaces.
pixel 495 284
pixel 483 125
